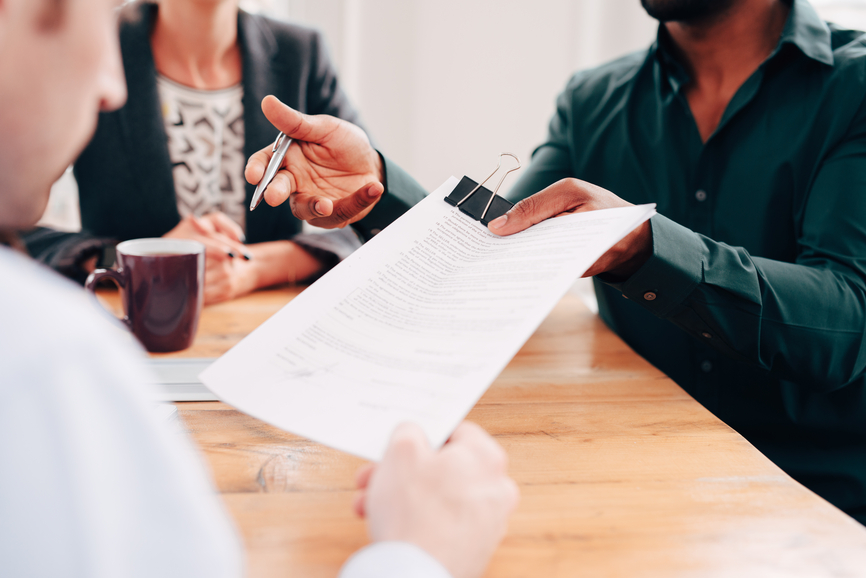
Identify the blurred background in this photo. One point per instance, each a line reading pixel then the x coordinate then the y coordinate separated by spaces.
pixel 444 86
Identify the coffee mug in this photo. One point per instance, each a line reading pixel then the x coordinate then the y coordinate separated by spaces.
pixel 161 285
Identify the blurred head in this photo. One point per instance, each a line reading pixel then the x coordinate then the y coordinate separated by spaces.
pixel 59 66
pixel 685 10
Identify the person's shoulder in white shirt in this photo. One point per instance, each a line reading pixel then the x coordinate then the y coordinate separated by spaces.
pixel 92 483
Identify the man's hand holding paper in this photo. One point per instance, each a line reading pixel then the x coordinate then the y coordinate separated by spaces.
pixel 431 498
pixel 570 196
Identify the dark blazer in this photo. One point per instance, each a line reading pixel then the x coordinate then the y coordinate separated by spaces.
pixel 126 188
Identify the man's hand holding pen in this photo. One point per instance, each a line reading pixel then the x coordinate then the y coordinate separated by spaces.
pixel 331 175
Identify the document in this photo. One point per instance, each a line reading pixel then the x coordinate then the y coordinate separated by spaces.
pixel 177 379
pixel 414 326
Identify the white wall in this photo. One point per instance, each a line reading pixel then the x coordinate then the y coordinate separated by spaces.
pixel 849 13
pixel 446 86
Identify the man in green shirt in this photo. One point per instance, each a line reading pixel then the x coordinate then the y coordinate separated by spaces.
pixel 745 123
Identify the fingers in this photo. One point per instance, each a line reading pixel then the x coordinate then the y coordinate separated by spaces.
pixel 362 477
pixel 215 249
pixel 467 430
pixel 489 454
pixel 257 164
pixel 352 208
pixel 191 227
pixel 227 231
pixel 408 444
pixel 208 230
pixel 511 494
pixel 231 247
pixel 217 286
pixel 297 125
pixel 362 480
pixel 307 207
pixel 562 196
pixel 485 449
pixel 223 224
pixel 200 226
pixel 215 295
pixel 359 504
pixel 280 188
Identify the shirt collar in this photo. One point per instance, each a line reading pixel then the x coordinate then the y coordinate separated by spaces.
pixel 808 32
pixel 804 29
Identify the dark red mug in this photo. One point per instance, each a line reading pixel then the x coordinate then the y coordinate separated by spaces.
pixel 161 285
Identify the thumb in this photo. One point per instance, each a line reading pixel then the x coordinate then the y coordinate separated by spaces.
pixel 297 125
pixel 562 196
pixel 408 444
pixel 351 208
pixel 520 217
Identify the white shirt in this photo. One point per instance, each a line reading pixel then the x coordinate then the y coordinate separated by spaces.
pixel 92 483
pixel 205 130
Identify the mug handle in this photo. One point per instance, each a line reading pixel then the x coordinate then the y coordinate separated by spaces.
pixel 115 276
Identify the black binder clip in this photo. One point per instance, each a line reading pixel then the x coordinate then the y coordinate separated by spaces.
pixel 486 205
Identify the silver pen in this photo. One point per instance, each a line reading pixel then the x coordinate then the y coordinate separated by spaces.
pixel 281 147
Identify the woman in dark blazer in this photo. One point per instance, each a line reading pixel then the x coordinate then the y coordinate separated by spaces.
pixel 125 176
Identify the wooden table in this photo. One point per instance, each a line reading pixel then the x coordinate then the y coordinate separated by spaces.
pixel 621 472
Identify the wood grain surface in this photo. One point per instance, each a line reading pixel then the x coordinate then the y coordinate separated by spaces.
pixel 621 472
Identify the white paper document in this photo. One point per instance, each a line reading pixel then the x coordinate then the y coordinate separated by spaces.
pixel 414 326
pixel 176 379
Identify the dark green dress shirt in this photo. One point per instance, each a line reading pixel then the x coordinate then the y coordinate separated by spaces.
pixel 754 299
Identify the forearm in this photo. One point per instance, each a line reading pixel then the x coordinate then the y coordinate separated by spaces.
pixel 278 262
pixel 802 322
pixel 73 255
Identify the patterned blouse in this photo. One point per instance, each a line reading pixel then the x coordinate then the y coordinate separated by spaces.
pixel 205 131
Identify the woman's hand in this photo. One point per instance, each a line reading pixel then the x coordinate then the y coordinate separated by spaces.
pixel 229 270
pixel 226 279
pixel 222 237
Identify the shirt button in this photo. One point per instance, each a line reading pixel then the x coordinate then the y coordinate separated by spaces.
pixel 375 232
pixel 706 366
pixel 701 196
pixel 706 335
pixel 650 296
